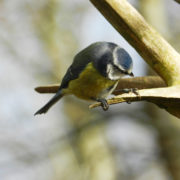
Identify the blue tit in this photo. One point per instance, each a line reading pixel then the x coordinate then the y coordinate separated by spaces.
pixel 94 74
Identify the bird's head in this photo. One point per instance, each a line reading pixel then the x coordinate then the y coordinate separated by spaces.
pixel 120 64
pixel 111 60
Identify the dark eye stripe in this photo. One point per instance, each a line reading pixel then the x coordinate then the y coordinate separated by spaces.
pixel 125 72
pixel 117 68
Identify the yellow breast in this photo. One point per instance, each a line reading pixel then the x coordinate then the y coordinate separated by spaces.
pixel 90 84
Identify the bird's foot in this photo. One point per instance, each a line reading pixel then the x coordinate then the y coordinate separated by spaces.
pixel 104 104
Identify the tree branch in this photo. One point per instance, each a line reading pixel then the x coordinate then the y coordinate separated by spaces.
pixel 140 83
pixel 136 82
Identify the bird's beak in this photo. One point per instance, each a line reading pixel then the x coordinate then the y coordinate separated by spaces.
pixel 131 74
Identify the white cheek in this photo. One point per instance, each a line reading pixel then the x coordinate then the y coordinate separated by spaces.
pixel 113 74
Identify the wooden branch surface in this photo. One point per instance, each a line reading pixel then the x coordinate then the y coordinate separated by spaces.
pixel 136 82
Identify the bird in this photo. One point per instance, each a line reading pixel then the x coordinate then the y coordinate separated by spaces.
pixel 94 74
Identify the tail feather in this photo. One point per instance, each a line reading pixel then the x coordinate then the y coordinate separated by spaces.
pixel 50 103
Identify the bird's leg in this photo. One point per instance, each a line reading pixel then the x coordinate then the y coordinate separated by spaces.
pixel 135 91
pixel 104 104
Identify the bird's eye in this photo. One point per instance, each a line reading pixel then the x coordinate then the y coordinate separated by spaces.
pixel 120 70
pixel 116 68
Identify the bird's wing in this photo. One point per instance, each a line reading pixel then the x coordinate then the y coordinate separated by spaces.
pixel 79 63
pixel 94 52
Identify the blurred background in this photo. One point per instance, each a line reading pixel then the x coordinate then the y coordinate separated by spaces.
pixel 38 40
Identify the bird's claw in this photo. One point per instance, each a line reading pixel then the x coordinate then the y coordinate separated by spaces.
pixel 104 104
pixel 133 90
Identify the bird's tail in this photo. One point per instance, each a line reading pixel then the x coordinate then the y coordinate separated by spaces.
pixel 50 103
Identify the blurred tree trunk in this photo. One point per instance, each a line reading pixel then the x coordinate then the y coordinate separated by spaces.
pixel 87 153
pixel 168 126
